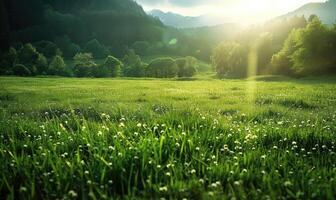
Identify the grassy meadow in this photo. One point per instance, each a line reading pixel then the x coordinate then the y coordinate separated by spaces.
pixel 261 138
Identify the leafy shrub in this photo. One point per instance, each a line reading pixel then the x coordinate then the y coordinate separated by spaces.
pixel 133 66
pixel 98 50
pixel 141 47
pixel 230 59
pixel 27 54
pixel 186 66
pixel 84 64
pixel 41 64
pixel 307 51
pixel 68 48
pixel 8 60
pixel 21 70
pixel 47 48
pixel 265 49
pixel 32 59
pixel 110 68
pixel 57 66
pixel 162 68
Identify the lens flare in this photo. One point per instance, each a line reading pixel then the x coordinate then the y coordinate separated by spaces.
pixel 252 72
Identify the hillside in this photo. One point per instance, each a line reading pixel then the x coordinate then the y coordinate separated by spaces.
pixel 213 34
pixel 113 22
pixel 325 11
pixel 181 21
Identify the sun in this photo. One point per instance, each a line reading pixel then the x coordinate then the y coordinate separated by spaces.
pixel 256 11
pixel 256 6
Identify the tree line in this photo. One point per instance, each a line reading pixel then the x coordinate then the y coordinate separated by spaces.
pixel 28 60
pixel 294 47
pixel 117 24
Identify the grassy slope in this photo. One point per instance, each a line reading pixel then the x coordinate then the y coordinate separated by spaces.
pixel 181 139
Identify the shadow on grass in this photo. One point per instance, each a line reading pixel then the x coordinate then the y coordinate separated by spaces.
pixel 303 80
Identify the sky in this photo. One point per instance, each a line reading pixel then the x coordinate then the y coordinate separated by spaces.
pixel 230 10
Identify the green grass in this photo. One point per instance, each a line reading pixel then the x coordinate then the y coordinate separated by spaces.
pixel 150 139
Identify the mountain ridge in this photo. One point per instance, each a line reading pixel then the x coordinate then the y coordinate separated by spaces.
pixel 180 21
pixel 326 11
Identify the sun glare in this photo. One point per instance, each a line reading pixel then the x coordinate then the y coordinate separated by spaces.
pixel 242 11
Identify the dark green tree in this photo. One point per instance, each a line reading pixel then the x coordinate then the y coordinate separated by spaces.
pixel 141 47
pixel 84 65
pixel 41 64
pixel 265 50
pixel 282 62
pixel 133 66
pixel 31 58
pixel 98 50
pixel 307 51
pixel 311 56
pixel 47 48
pixel 27 54
pixel 68 48
pixel 21 70
pixel 57 66
pixel 162 68
pixel 186 66
pixel 113 65
pixel 110 68
pixel 230 59
pixel 7 61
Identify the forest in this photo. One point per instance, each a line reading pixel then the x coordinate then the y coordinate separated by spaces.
pixel 70 38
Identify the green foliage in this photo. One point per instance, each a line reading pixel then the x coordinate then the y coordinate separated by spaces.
pixel 98 50
pixel 265 50
pixel 21 70
pixel 307 51
pixel 281 61
pixel 230 59
pixel 32 59
pixel 110 68
pixel 8 60
pixel 47 48
pixel 133 66
pixel 186 66
pixel 4 66
pixel 58 24
pixel 279 29
pixel 12 55
pixel 84 64
pixel 113 22
pixel 68 48
pixel 312 55
pixel 162 68
pixel 27 54
pixel 313 18
pixel 57 66
pixel 41 64
pixel 141 47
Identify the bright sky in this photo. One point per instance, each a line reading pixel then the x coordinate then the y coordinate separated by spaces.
pixel 235 10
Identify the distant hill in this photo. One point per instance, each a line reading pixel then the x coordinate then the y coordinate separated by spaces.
pixel 325 11
pixel 113 22
pixel 180 21
pixel 213 34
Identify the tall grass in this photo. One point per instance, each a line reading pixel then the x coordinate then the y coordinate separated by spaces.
pixel 101 138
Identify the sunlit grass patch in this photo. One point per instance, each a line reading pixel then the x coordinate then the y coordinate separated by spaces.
pixel 294 103
pixel 174 142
